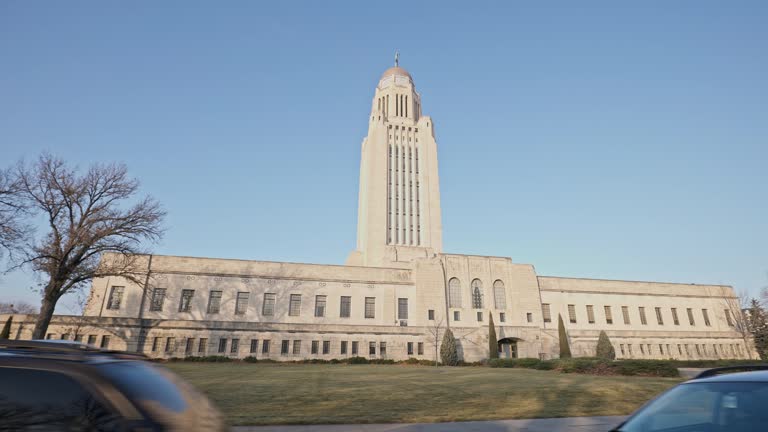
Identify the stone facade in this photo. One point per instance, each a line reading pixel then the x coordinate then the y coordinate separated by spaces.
pixel 398 292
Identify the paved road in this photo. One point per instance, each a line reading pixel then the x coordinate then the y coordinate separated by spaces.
pixel 569 424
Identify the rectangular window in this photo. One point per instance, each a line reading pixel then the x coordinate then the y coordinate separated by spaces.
pixel 572 313
pixel 690 317
pixel 659 318
pixel 223 345
pixel 402 308
pixel 679 349
pixel 706 317
pixel 479 316
pixel 343 347
pixel 420 348
pixel 590 314
pixel 78 338
pixel 185 305
pixel 642 349
pixel 410 348
pixel 502 317
pixel 202 345
pixel 315 346
pixel 254 346
pixel 372 348
pixel 158 297
pixel 91 339
pixel 431 314
pixel 355 344
pixel 294 308
pixel 345 308
pixel 728 318
pixel 382 348
pixel 190 346
pixel 155 344
pixel 608 315
pixel 621 346
pixel 320 306
pixel 235 346
pixel 546 312
pixel 625 314
pixel 326 347
pixel 629 348
pixel 265 346
pixel 284 347
pixel 529 317
pixel 214 302
pixel 370 307
pixel 296 347
pixel 661 349
pixel 456 315
pixel 241 304
pixel 115 298
pixel 105 341
pixel 643 319
pixel 675 320
pixel 268 308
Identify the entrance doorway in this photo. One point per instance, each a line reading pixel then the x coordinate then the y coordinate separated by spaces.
pixel 508 348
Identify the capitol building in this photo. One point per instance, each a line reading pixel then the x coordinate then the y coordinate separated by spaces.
pixel 398 291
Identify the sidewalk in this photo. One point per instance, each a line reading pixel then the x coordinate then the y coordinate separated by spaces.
pixel 574 424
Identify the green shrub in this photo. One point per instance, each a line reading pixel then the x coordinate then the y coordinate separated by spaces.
pixel 251 359
pixel 449 354
pixel 604 349
pixel 357 360
pixel 565 348
pixel 580 365
pixel 411 361
pixel 6 333
pixel 546 365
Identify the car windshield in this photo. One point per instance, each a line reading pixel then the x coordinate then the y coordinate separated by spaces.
pixel 146 383
pixel 705 407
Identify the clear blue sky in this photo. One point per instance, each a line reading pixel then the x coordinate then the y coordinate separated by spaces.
pixel 591 139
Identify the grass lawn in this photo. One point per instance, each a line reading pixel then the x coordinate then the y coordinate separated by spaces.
pixel 253 394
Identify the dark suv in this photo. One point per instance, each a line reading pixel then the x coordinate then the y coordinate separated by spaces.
pixel 717 400
pixel 68 386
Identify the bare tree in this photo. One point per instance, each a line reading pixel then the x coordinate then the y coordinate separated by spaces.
pixel 96 227
pixel 435 331
pixel 736 317
pixel 17 308
pixel 13 228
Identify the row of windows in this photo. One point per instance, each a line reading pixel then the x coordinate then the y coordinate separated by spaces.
pixel 607 311
pixel 454 294
pixel 268 305
pixel 232 346
pixel 92 339
pixel 648 349
pixel 502 316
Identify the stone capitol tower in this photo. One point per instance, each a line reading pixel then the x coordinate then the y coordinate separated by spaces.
pixel 399 198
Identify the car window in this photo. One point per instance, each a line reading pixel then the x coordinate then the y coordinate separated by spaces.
pixel 146 384
pixel 37 400
pixel 702 407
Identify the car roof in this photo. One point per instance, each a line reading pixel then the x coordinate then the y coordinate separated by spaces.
pixel 751 376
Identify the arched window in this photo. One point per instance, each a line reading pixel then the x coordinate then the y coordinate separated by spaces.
pixel 499 295
pixel 477 294
pixel 454 293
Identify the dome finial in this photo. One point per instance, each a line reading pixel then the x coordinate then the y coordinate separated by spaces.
pixel 397 58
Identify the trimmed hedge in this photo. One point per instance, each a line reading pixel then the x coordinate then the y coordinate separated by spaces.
pixel 587 365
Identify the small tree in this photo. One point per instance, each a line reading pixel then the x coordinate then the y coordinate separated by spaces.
pixel 6 333
pixel 434 331
pixel 737 319
pixel 493 343
pixel 758 325
pixel 565 349
pixel 449 354
pixel 604 347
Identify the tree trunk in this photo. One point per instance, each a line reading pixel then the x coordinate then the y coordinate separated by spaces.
pixel 43 318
